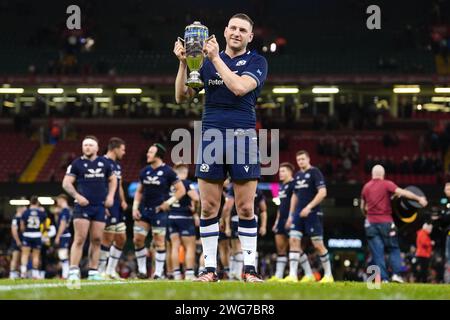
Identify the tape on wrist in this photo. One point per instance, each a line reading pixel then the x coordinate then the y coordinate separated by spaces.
pixel 135 205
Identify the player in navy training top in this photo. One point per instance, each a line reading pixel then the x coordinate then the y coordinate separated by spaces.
pixel 16 242
pixel 96 186
pixel 233 80
pixel 285 190
pixel 305 219
pixel 31 226
pixel 114 237
pixel 183 219
pixel 260 207
pixel 150 206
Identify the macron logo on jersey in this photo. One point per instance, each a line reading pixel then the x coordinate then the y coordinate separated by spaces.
pixel 94 173
pixel 152 180
pixel 301 184
pixel 241 63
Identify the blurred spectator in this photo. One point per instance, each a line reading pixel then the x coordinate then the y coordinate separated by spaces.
pixel 424 249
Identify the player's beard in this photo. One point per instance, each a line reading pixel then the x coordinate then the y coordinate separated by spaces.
pixel 89 155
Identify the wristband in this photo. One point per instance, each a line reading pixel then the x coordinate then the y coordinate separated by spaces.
pixel 135 205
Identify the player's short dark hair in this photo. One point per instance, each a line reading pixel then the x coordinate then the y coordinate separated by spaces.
pixel 34 200
pixel 114 143
pixel 91 137
pixel 288 165
pixel 63 196
pixel 180 165
pixel 161 150
pixel 302 152
pixel 243 16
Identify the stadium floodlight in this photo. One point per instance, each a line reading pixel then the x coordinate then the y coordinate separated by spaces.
pixel 64 99
pixel 407 89
pixel 27 99
pixel 128 90
pixel 8 104
pixel 89 90
pixel 50 90
pixel 442 90
pixel 322 99
pixel 285 90
pixel 46 201
pixel 102 99
pixel 19 202
pixel 325 90
pixel 12 90
pixel 440 99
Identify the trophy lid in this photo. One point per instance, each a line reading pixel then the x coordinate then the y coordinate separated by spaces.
pixel 196 25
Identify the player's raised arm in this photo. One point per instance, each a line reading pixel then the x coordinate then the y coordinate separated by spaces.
pixel 409 195
pixel 182 92
pixel 239 85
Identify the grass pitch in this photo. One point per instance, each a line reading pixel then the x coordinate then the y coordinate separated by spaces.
pixel 225 290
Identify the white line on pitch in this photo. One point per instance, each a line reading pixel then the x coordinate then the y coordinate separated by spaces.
pixel 64 284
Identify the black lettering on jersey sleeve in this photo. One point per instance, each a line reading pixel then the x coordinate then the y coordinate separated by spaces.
pixel 257 69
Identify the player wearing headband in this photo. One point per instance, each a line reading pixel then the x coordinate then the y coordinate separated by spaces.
pixel 96 186
pixel 150 206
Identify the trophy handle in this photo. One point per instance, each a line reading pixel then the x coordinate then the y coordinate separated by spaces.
pixel 180 39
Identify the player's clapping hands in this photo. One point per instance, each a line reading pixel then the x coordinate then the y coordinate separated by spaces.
pixel 211 48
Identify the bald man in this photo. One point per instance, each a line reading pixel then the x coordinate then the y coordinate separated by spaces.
pixel 381 231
